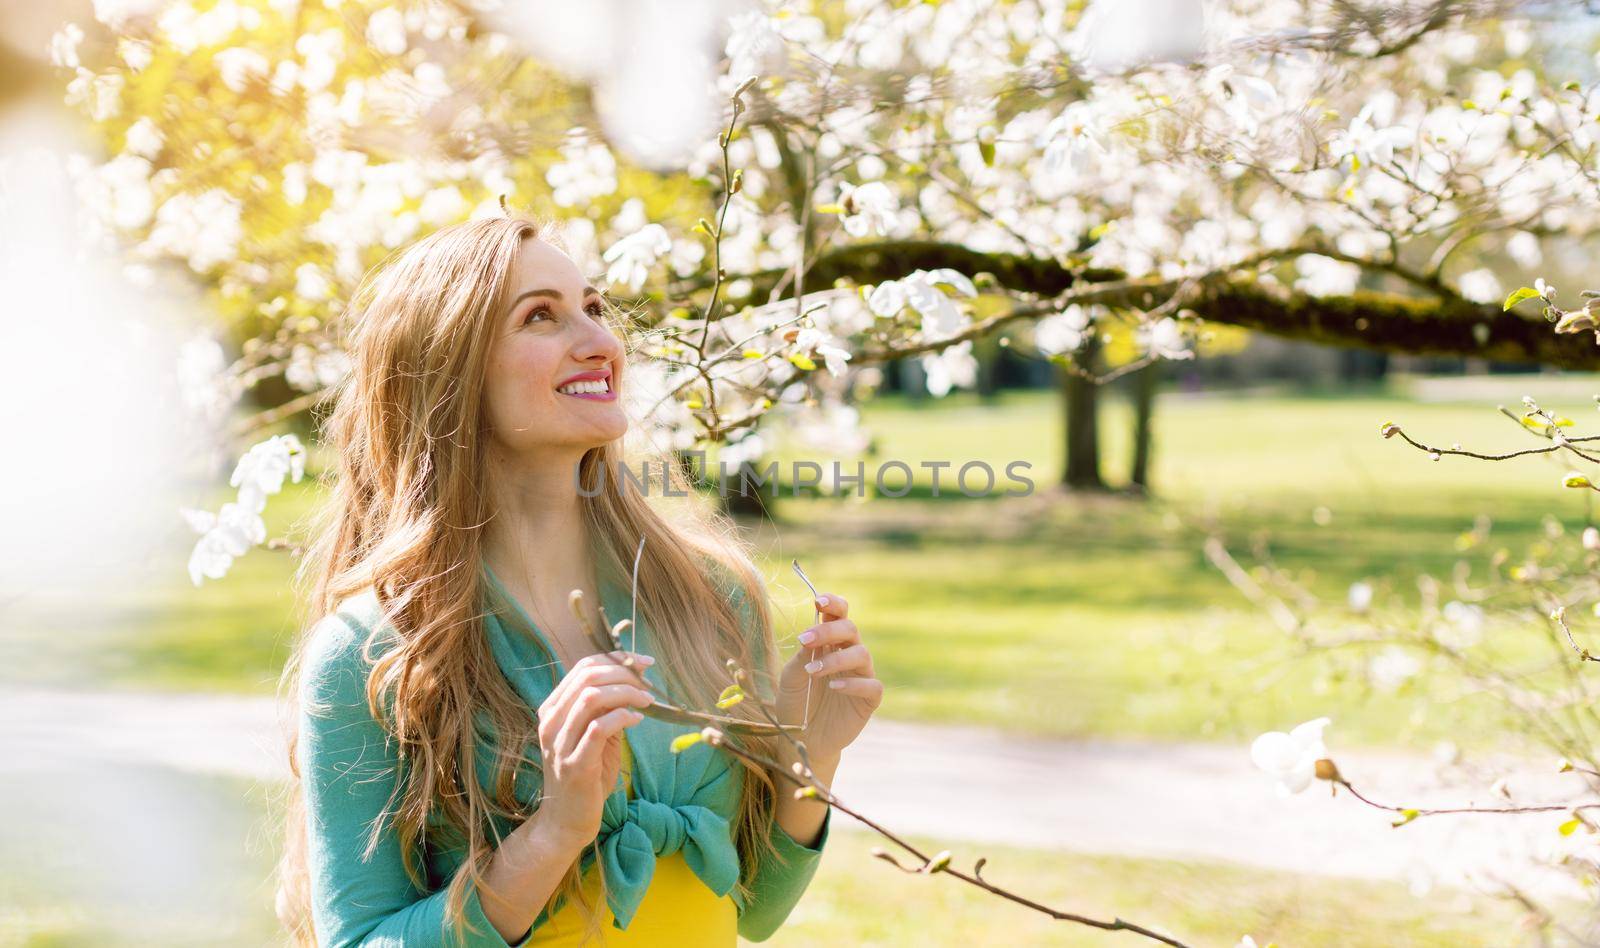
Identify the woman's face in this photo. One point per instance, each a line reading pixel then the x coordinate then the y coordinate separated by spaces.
pixel 555 370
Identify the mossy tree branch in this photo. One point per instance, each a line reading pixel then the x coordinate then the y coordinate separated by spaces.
pixel 1439 324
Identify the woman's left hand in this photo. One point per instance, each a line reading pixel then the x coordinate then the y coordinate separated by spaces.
pixel 843 686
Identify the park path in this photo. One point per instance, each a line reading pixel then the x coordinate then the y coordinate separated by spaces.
pixel 965 786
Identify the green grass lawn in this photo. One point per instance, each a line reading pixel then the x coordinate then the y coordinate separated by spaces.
pixel 857 900
pixel 204 877
pixel 1086 616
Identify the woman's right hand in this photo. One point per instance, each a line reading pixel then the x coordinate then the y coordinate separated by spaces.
pixel 580 743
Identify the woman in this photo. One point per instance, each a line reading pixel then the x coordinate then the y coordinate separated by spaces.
pixel 485 391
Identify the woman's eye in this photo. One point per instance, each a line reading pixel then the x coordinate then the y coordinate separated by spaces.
pixel 536 313
pixel 596 310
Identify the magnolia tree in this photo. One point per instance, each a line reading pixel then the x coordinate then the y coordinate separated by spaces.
pixel 1513 629
pixel 876 182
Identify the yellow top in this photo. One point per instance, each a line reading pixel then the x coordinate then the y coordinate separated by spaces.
pixel 677 908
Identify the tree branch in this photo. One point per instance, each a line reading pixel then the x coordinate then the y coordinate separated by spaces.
pixel 1390 322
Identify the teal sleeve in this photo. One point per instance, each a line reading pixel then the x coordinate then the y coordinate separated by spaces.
pixel 776 887
pixel 350 768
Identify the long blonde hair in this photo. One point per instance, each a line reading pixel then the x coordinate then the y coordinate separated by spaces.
pixel 404 520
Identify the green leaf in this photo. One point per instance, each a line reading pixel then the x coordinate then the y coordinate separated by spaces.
pixel 683 741
pixel 1406 816
pixel 730 696
pixel 1570 826
pixel 986 152
pixel 802 361
pixel 1520 294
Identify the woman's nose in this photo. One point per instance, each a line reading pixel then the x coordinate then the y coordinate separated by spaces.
pixel 598 343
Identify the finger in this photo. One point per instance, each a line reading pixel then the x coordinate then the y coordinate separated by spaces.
pixel 832 606
pixel 853 658
pixel 576 674
pixel 592 705
pixel 589 670
pixel 592 702
pixel 601 729
pixel 859 687
pixel 834 632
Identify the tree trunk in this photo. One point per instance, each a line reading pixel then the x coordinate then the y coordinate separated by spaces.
pixel 1082 427
pixel 1145 383
pixel 988 352
pixel 745 497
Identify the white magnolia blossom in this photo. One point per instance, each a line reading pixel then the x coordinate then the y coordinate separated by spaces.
pixel 951 367
pixel 143 138
pixel 1291 758
pixel 753 42
pixel 442 205
pixel 1393 667
pixel 1481 286
pixel 887 298
pixel 868 209
pixel 99 95
pixel 1325 276
pixel 201 383
pixel 1463 624
pixel 136 54
pixel 311 282
pixel 587 171
pixel 1073 141
pixel 1247 99
pixel 120 191
pixel 1368 145
pixel 748 448
pixel 312 369
pixel 260 473
pixel 924 291
pixel 240 67
pixel 1523 248
pixel 386 31
pixel 814 340
pixel 64 46
pixel 204 229
pixel 233 530
pixel 1063 332
pixel 632 257
pixel 1359 597
pixel 225 535
pixel 1165 339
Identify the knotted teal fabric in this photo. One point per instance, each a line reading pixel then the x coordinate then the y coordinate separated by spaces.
pixel 634 833
pixel 680 802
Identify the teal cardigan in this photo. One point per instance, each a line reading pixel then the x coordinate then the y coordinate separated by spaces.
pixel 682 802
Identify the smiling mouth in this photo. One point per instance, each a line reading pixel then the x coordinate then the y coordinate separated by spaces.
pixel 592 389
